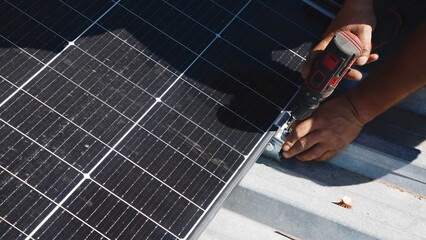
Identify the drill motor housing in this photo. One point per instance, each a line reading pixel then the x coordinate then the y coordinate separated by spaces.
pixel 327 71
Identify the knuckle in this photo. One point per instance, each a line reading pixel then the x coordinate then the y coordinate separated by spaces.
pixel 298 132
pixel 301 144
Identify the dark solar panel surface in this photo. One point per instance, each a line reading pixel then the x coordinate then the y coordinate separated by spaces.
pixel 127 119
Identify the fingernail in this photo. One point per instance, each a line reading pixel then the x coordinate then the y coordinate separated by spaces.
pixel 286 148
pixel 285 155
pixel 362 60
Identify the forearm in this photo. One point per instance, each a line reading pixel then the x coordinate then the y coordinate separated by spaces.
pixel 401 74
pixel 364 3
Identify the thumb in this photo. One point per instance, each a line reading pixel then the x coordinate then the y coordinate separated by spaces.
pixel 313 55
pixel 365 38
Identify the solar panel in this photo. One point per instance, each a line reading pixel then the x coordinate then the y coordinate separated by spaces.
pixel 134 119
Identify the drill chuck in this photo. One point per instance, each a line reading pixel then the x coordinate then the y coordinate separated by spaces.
pixel 307 102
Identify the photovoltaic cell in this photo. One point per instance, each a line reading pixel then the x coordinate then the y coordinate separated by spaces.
pixel 21 30
pixel 58 17
pixel 21 206
pixel 214 117
pixel 101 85
pixel 208 13
pixel 10 232
pixel 61 137
pixel 63 225
pixel 191 140
pixel 171 22
pixel 35 165
pixel 6 88
pixel 131 119
pixel 170 166
pixel 111 216
pixel 251 71
pixel 234 94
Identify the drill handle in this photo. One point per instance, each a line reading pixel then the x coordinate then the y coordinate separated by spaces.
pixel 333 63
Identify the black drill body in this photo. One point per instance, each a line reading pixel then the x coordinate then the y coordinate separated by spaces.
pixel 327 71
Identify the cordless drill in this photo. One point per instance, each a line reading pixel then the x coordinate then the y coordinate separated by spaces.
pixel 327 71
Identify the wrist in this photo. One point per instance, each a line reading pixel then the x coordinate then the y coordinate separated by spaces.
pixel 365 3
pixel 356 108
pixel 359 5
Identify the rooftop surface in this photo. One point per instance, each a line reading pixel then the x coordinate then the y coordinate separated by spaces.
pixel 383 171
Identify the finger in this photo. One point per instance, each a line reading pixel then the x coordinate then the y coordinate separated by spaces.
pixel 303 144
pixel 313 55
pixel 372 58
pixel 365 37
pixel 326 155
pixel 297 133
pixel 313 153
pixel 353 74
pixel 356 75
pixel 307 66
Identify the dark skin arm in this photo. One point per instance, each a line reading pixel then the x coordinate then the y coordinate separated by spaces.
pixel 338 122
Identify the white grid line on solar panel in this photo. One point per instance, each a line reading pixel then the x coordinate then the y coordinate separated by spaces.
pixel 232 177
pixel 130 119
pixel 33 76
pixel 193 86
pixel 52 123
pixel 17 68
pixel 42 7
pixel 64 227
pixel 48 198
pixel 87 176
pixel 106 144
pixel 182 173
pixel 239 18
pixel 40 165
pixel 173 85
pixel 175 81
pixel 81 110
pixel 167 104
pixel 288 19
pixel 51 60
pixel 245 85
pixel 100 140
pixel 13 226
pixel 199 55
pixel 116 151
pixel 59 205
pixel 75 188
pixel 260 62
pixel 170 72
pixel 21 26
pixel 121 200
pixel 81 34
pixel 21 199
pixel 205 115
pixel 204 132
pixel 180 77
pixel 295 53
